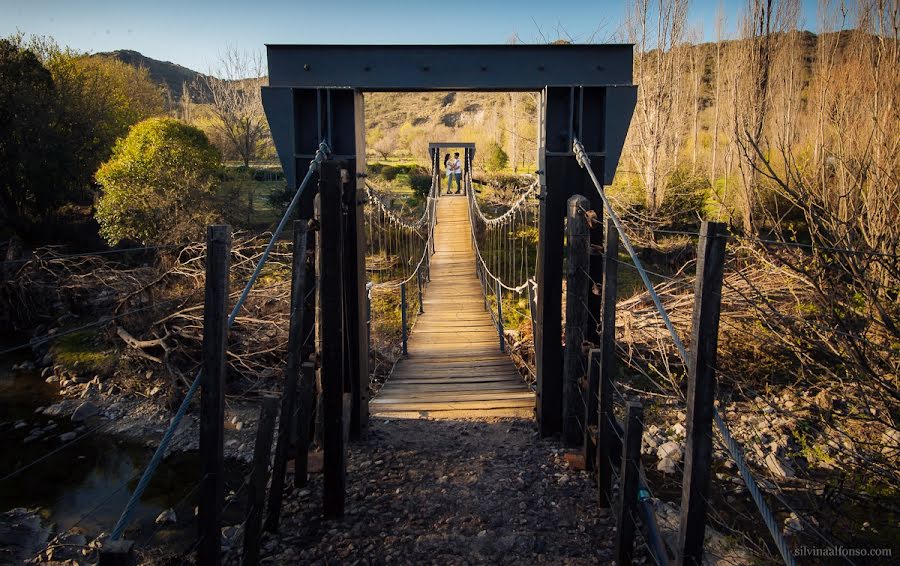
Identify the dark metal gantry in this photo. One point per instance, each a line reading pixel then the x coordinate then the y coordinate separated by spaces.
pixel 315 93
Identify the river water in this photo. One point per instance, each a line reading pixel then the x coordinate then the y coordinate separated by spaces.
pixel 85 486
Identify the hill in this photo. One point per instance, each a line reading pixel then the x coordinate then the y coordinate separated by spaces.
pixel 171 75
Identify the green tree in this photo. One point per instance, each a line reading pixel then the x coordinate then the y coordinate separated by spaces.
pixel 28 184
pixel 159 185
pixel 495 158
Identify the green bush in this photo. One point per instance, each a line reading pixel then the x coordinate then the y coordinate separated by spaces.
pixel 159 184
pixel 420 183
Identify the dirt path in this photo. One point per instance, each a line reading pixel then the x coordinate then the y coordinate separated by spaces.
pixel 450 492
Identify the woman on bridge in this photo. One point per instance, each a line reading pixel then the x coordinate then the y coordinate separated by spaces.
pixel 449 170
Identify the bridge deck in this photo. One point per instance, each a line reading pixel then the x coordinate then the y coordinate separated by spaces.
pixel 455 366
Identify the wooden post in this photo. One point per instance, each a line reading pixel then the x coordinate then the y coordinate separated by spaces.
pixel 331 295
pixel 259 476
pixel 291 375
pixel 701 392
pixel 368 318
pixel 589 446
pixel 499 292
pixel 304 422
pixel 419 281
pixel 607 442
pixel 403 333
pixel 212 394
pixel 532 309
pixel 117 553
pixel 629 479
pixel 577 289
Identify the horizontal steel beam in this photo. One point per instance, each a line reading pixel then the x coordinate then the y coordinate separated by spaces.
pixel 461 145
pixel 449 67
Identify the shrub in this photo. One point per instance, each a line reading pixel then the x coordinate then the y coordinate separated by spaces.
pixel 420 183
pixel 158 186
pixel 685 199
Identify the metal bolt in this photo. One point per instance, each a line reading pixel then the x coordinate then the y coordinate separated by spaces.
pixel 306 66
pixel 540 67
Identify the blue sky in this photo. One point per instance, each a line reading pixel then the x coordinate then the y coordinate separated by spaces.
pixel 192 32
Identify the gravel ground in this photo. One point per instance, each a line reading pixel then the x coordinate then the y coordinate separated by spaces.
pixel 468 491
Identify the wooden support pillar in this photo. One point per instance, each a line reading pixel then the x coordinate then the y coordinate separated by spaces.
pixel 607 442
pixel 589 443
pixel 331 308
pixel 291 375
pixel 577 289
pixel 629 480
pixel 212 394
pixel 305 404
pixel 403 323
pixel 701 392
pixel 259 476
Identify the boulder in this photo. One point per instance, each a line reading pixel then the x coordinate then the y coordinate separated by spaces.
pixel 666 466
pixel 67 437
pixel 671 450
pixel 85 411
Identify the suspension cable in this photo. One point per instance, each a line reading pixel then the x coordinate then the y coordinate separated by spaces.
pixel 314 164
pixel 585 162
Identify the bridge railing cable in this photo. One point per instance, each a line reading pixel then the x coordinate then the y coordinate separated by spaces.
pixel 160 452
pixel 732 445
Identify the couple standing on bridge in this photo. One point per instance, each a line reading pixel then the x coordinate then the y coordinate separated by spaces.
pixel 454 171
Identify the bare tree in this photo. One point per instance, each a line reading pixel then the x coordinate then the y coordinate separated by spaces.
pixel 656 27
pixel 234 88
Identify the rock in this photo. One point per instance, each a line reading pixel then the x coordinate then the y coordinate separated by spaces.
pixel 67 437
pixel 20 424
pixel 238 425
pixel 26 366
pixel 85 411
pixel 167 516
pixel 671 450
pixel 47 360
pixel 22 535
pixel 154 391
pixel 792 525
pixel 52 379
pixel 678 430
pixel 777 467
pixel 666 465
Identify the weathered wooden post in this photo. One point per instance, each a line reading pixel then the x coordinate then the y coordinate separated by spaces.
pixel 607 442
pixel 701 392
pixel 499 292
pixel 403 328
pixel 291 375
pixel 629 480
pixel 589 445
pixel 259 475
pixel 304 414
pixel 577 289
pixel 212 394
pixel 332 329
pixel 421 297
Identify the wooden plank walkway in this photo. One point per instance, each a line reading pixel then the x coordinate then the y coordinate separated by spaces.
pixel 455 367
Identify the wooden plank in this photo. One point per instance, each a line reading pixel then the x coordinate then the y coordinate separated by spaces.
pixel 462 405
pixel 453 364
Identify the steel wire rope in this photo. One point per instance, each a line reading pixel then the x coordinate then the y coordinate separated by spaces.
pixel 733 447
pixel 157 457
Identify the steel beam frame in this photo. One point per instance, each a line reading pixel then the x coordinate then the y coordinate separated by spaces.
pixel 316 94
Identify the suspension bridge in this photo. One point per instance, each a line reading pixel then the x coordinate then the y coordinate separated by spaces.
pixel 462 271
